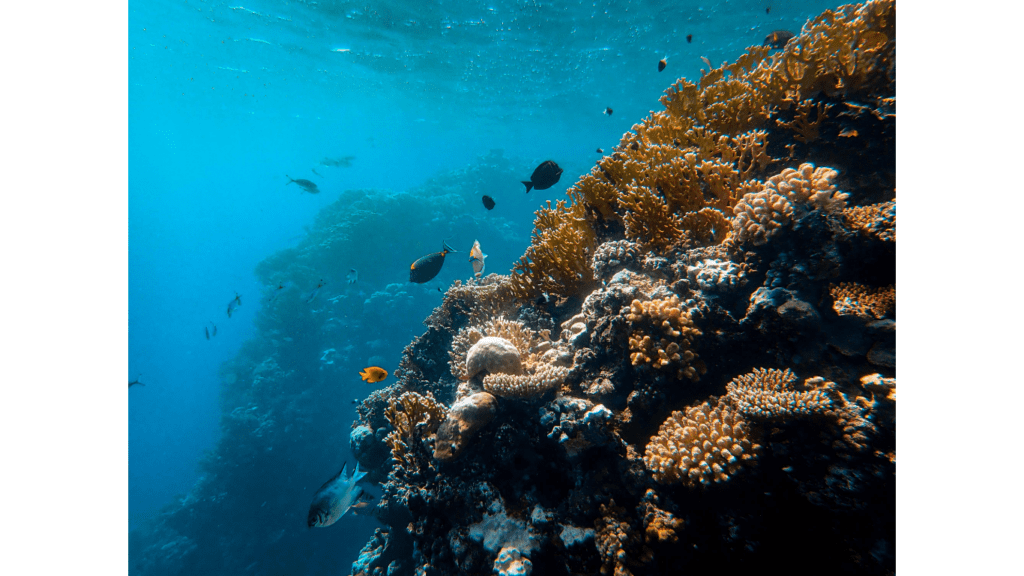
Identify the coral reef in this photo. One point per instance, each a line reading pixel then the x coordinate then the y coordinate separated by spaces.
pixel 850 298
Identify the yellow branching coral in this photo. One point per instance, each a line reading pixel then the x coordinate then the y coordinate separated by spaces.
pixel 806 129
pixel 852 299
pixel 785 196
pixel 617 540
pixel 522 386
pixel 659 525
pixel 648 220
pixel 770 395
pixel 876 220
pixel 413 417
pixel 662 335
pixel 558 259
pixel 706 443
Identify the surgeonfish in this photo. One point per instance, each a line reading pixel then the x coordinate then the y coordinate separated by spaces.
pixel 476 256
pixel 599 151
pixel 373 374
pixel 134 382
pixel 689 38
pixel 662 64
pixel 424 269
pixel 335 497
pixel 545 176
pixel 306 185
pixel 316 291
pixel 352 276
pixel 234 303
pixel 778 39
pixel 488 202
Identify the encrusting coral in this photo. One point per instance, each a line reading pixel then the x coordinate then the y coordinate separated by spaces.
pixel 852 299
pixel 706 443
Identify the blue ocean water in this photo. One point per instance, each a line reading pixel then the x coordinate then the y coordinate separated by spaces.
pixel 435 104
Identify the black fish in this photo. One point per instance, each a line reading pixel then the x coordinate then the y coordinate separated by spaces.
pixel 689 38
pixel 488 202
pixel 134 382
pixel 608 111
pixel 545 176
pixel 305 184
pixel 768 10
pixel 778 39
pixel 424 269
pixel 599 151
pixel 661 64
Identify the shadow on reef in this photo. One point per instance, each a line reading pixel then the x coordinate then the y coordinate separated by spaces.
pixel 692 367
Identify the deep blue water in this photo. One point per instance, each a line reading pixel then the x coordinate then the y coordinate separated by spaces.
pixel 226 99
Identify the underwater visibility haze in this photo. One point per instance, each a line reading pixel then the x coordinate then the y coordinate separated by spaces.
pixel 511 287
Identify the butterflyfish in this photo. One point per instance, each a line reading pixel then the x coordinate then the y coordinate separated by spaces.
pixel 336 497
pixel 424 269
pixel 476 256
pixel 373 374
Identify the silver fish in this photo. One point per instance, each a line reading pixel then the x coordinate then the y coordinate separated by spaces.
pixel 476 256
pixel 315 292
pixel 335 497
pixel 352 276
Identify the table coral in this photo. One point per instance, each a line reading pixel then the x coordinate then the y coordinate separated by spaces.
pixel 770 395
pixel 706 443
pixel 662 335
pixel 852 299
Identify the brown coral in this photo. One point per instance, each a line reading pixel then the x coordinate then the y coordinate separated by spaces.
pixel 413 417
pixel 770 395
pixel 662 335
pixel 852 299
pixel 706 443
pixel 877 220
pixel 659 525
pixel 617 540
pixel 542 379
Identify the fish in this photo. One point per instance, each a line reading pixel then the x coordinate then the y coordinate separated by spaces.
pixel 315 291
pixel 599 151
pixel 313 170
pixel 234 303
pixel 207 330
pixel 342 162
pixel 662 64
pixel 336 497
pixel 424 269
pixel 768 10
pixel 214 333
pixel 373 374
pixel 352 276
pixel 477 257
pixel 304 184
pixel 689 38
pixel 608 111
pixel 545 176
pixel 134 382
pixel 778 39
pixel 488 202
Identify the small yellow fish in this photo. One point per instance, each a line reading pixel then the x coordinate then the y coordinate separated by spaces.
pixel 374 374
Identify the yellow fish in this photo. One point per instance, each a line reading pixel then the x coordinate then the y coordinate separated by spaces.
pixel 373 374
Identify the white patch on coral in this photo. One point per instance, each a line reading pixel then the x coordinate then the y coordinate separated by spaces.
pixel 714 275
pixel 497 530
pixel 510 562
pixel 572 536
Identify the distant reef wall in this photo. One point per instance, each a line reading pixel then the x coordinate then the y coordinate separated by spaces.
pixel 692 367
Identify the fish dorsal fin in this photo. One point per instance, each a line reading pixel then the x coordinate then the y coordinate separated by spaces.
pixel 335 477
pixel 357 474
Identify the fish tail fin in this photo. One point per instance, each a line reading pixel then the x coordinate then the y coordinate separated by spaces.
pixel 529 186
pixel 290 179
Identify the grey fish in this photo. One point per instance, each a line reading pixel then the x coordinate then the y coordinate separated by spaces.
pixel 313 170
pixel 134 382
pixel 315 291
pixel 342 162
pixel 234 303
pixel 335 497
pixel 214 329
pixel 207 330
pixel 306 185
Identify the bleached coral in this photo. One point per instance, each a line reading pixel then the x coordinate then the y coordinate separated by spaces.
pixel 706 443
pixel 770 395
pixel 713 275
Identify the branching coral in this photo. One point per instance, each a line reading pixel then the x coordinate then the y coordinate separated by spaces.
pixel 876 220
pixel 558 259
pixel 662 335
pixel 706 443
pixel 617 540
pixel 659 525
pixel 770 395
pixel 852 299
pixel 414 417
pixel 522 386
pixel 806 130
